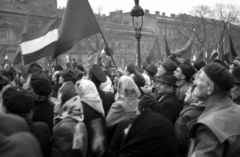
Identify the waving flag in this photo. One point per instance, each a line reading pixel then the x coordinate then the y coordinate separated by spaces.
pixel 40 42
pixel 230 54
pixel 154 53
pixel 78 23
pixel 185 52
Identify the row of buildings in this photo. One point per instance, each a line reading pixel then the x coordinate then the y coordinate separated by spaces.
pixel 117 28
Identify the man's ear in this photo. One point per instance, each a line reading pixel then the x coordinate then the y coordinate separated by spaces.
pixel 210 89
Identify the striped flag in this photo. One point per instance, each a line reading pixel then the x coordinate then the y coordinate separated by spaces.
pixel 79 22
pixel 3 54
pixel 40 42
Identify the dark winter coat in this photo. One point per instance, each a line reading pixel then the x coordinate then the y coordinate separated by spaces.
pixel 41 131
pixel 188 114
pixel 168 106
pixel 107 100
pixel 89 116
pixel 43 112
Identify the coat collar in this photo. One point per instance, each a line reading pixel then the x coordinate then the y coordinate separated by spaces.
pixel 216 105
pixel 167 96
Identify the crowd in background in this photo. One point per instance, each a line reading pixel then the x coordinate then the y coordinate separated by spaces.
pixel 178 109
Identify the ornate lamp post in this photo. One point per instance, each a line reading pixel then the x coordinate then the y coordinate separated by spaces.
pixel 137 14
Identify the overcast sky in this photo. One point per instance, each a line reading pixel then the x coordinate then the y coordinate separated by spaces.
pixel 167 6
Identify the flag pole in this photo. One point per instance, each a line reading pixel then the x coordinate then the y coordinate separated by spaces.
pixel 108 49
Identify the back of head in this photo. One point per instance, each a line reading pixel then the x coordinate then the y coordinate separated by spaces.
pixel 97 75
pixel 34 68
pixel 17 100
pixel 11 124
pixel 131 68
pixel 41 84
pixel 20 144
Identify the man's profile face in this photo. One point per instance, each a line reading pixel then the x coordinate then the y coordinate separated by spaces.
pixel 178 73
pixel 202 88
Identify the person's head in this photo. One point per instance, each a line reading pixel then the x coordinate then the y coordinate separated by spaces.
pixel 235 92
pixel 169 65
pixel 151 70
pixel 56 76
pixel 146 101
pixel 40 84
pixel 18 101
pixel 185 71
pixel 67 92
pixel 214 80
pixel 34 68
pixel 97 75
pixel 127 88
pixel 130 69
pixel 199 64
pixel 66 76
pixel 166 83
pixel 189 94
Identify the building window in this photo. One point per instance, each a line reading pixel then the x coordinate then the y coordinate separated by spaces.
pixel 3 37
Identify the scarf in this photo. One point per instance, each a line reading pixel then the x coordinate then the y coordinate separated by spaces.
pixel 71 109
pixel 89 94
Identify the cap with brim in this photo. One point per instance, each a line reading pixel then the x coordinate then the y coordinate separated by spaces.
pixel 187 69
pixel 168 78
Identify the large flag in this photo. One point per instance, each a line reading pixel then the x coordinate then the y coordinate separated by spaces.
pixel 40 42
pixel 78 23
pixel 3 54
pixel 230 54
pixel 168 53
pixel 154 54
pixel 18 56
pixel 185 52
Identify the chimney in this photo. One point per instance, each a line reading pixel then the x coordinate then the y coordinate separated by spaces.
pixel 173 15
pixel 146 11
pixel 163 14
pixel 157 12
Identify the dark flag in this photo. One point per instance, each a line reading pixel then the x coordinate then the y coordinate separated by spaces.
pixel 168 53
pixel 154 53
pixel 185 52
pixel 40 42
pixel 230 54
pixel 78 23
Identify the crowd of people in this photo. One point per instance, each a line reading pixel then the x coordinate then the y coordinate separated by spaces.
pixel 178 109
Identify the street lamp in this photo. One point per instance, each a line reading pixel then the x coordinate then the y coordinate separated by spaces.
pixel 137 20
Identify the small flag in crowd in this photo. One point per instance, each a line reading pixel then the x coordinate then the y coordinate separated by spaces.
pixel 40 42
pixel 230 54
pixel 186 51
pixel 154 53
pixel 168 53
pixel 93 59
pixel 78 23
pixel 3 54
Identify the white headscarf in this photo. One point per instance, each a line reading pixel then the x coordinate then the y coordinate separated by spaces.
pixel 107 86
pixel 127 89
pixel 89 94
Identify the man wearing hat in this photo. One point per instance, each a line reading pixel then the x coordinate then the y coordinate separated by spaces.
pixel 217 131
pixel 184 74
pixel 168 105
pixel 149 76
pixel 235 92
pixel 169 65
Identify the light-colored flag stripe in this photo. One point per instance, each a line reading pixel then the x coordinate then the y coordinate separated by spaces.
pixel 39 43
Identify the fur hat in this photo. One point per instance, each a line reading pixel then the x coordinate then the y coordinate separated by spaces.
pixel 220 76
pixel 41 84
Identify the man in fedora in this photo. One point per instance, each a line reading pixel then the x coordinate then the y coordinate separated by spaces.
pixel 168 105
pixel 184 74
pixel 217 131
pixel 235 92
pixel 169 65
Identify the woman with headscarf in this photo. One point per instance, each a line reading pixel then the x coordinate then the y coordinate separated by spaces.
pixel 93 113
pixel 125 105
pixel 69 110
